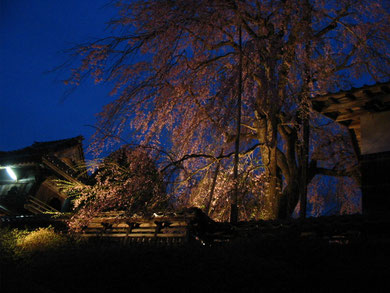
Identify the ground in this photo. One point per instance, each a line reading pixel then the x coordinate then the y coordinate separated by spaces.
pixel 273 265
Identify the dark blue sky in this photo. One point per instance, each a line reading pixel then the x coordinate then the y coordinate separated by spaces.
pixel 33 36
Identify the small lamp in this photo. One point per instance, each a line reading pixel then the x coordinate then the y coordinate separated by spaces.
pixel 11 173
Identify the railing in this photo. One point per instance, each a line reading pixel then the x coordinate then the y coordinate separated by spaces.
pixel 164 230
pixel 36 206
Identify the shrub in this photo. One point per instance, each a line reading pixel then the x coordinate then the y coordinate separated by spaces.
pixel 127 181
pixel 42 239
pixel 9 239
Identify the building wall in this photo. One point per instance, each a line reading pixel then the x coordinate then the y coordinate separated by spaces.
pixel 49 193
pixel 375 129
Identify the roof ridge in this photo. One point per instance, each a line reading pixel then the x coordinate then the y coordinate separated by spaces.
pixel 79 137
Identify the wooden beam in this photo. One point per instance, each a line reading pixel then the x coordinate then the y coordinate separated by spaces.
pixel 59 171
pixel 339 107
pixel 360 102
pixel 350 116
pixel 355 143
pixel 351 97
pixel 354 124
pixel 334 100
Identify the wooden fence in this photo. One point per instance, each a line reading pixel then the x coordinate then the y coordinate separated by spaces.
pixel 172 229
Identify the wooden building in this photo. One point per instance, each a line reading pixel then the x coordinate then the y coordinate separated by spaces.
pixel 28 176
pixel 366 113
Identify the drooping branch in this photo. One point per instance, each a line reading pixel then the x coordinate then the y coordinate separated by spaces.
pixel 206 156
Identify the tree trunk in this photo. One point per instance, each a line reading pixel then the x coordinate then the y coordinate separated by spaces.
pixel 269 157
pixel 214 182
pixel 289 199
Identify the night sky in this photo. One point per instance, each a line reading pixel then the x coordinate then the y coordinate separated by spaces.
pixel 33 36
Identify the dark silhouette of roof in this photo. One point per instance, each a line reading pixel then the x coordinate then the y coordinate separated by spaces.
pixel 38 150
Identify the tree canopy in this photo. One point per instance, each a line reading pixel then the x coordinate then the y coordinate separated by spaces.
pixel 175 66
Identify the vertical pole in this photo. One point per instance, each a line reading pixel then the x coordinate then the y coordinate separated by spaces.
pixel 305 117
pixel 304 165
pixel 234 208
pixel 210 199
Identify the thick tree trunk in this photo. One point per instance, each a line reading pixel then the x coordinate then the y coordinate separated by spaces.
pixel 269 158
